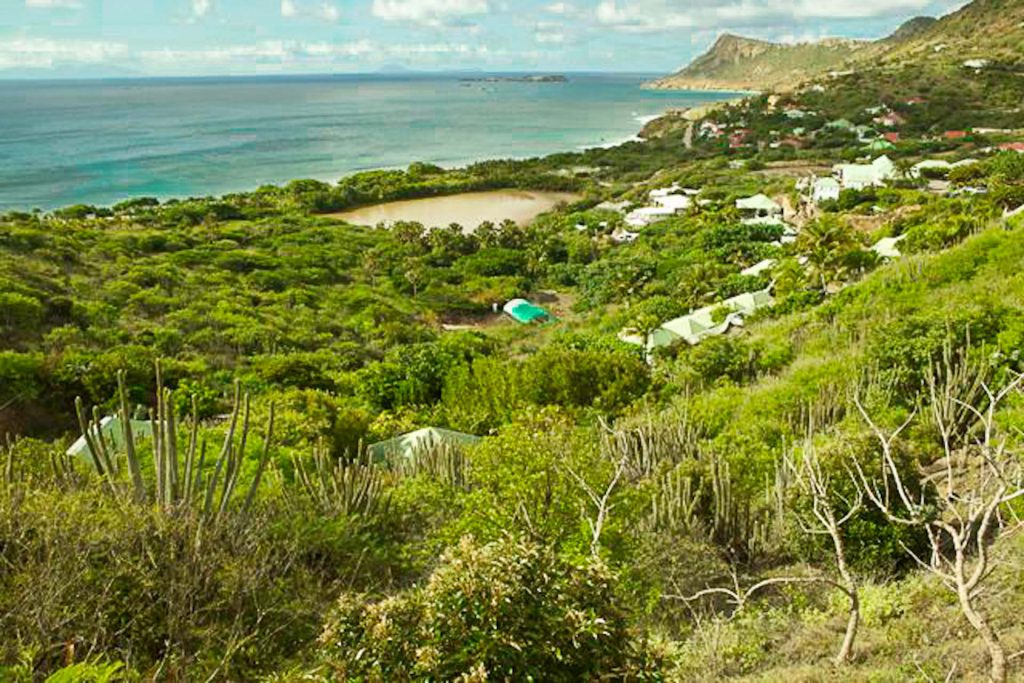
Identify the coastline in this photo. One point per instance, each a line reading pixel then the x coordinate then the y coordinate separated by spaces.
pixel 166 185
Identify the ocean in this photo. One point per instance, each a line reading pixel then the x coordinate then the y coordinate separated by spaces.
pixel 100 142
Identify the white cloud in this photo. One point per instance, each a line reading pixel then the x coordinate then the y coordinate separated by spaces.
pixel 200 8
pixel 278 52
pixel 325 11
pixel 661 15
pixel 564 9
pixel 44 53
pixel 430 12
pixel 54 4
pixel 328 12
pixel 549 33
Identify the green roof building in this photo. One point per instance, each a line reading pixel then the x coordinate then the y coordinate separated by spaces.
pixel 880 145
pixel 709 321
pixel 522 311
pixel 112 432
pixel 408 446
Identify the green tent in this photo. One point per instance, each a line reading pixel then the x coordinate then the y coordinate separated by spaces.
pixel 112 432
pixel 880 146
pixel 524 312
pixel 409 445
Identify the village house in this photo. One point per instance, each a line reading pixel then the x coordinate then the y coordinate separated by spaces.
pixel 759 209
pixel 890 120
pixel 739 138
pixel 825 189
pixel 702 323
pixel 861 176
pixel 887 248
pixel 644 216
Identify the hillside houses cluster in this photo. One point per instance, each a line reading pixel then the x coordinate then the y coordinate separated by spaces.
pixel 818 189
pixel 664 202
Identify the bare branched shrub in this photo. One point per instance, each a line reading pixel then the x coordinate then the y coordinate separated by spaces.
pixel 962 499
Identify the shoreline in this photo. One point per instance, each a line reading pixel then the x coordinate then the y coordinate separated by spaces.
pixel 467 209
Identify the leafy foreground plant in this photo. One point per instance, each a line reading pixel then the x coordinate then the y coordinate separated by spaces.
pixel 508 610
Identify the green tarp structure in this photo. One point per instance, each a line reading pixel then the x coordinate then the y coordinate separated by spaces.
pixel 409 445
pixel 880 146
pixel 112 432
pixel 522 311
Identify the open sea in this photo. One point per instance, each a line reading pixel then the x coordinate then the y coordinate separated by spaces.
pixel 99 142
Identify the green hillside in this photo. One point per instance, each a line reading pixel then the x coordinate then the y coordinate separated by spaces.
pixel 828 486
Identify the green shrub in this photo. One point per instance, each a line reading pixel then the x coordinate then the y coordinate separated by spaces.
pixel 508 610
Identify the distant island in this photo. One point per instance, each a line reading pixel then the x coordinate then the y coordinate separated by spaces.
pixel 517 79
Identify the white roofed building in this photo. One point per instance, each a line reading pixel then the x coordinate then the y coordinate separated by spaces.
pixel 759 209
pixel 825 189
pixel 861 176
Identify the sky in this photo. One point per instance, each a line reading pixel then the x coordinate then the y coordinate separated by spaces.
pixel 101 38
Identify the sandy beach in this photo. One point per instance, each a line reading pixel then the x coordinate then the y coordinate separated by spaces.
pixel 468 210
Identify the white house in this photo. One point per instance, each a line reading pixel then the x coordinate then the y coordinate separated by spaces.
pixel 887 247
pixel 759 206
pixel 621 236
pixel 860 176
pixel 663 191
pixel 679 203
pixel 825 189
pixel 759 268
pixel 642 217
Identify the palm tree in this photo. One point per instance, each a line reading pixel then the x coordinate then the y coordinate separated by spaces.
pixel 826 242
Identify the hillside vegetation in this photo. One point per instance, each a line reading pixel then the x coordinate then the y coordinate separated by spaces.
pixel 831 490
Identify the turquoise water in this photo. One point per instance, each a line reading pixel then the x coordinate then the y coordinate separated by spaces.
pixel 99 142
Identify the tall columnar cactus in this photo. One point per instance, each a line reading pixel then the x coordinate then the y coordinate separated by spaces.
pixel 342 488
pixel 177 485
pixel 675 505
pixel 444 463
pixel 650 445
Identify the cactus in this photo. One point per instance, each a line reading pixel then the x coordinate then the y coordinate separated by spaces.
pixel 675 505
pixel 444 463
pixel 173 488
pixel 342 488
pixel 650 444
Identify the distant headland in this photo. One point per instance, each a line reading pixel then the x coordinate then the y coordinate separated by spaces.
pixel 546 78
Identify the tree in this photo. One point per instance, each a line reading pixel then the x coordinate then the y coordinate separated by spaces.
pixel 960 499
pixel 829 513
pixel 826 242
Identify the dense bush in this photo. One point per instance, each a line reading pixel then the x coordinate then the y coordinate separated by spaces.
pixel 505 610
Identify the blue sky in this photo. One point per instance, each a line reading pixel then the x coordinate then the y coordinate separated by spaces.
pixel 80 38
